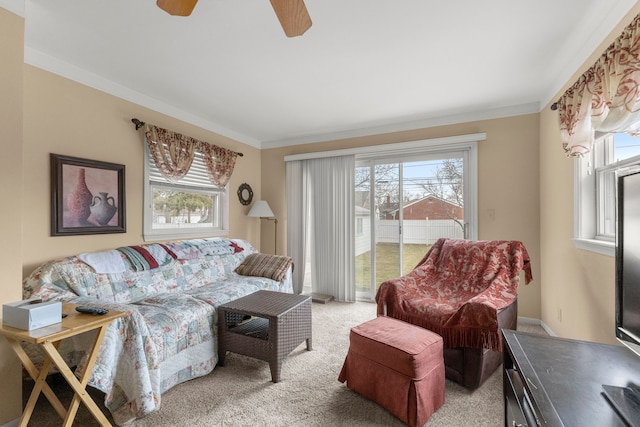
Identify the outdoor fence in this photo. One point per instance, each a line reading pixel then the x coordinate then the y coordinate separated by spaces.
pixel 424 232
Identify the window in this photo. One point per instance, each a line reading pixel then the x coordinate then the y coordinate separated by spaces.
pixel 298 205
pixel 595 190
pixel 411 201
pixel 359 226
pixel 190 208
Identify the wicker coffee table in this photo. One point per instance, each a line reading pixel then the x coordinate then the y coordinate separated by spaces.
pixel 277 323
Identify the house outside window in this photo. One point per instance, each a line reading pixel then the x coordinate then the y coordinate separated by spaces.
pixel 595 190
pixel 189 208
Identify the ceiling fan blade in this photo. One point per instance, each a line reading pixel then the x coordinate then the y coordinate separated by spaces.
pixel 177 7
pixel 293 16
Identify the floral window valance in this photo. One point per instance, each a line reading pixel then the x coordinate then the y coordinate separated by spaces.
pixel 606 98
pixel 173 154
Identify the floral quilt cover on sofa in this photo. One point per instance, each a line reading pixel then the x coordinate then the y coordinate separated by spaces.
pixel 169 334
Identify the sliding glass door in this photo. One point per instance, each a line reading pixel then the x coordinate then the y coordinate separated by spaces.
pixel 403 205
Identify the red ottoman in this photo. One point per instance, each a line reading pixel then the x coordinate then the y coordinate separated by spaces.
pixel 397 365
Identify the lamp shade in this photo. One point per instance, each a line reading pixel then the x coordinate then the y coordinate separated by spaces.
pixel 261 209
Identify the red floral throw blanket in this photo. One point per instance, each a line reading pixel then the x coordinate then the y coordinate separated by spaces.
pixel 457 290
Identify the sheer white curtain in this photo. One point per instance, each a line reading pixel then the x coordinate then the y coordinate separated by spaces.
pixel 331 222
pixel 296 221
pixel 327 203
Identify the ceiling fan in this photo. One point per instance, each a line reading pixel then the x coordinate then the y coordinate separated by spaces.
pixel 292 14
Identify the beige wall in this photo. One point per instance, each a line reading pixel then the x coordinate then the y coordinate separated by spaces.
pixel 42 113
pixel 65 117
pixel 11 65
pixel 578 291
pixel 11 141
pixel 507 183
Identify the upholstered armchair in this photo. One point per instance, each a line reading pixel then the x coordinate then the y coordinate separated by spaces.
pixel 466 292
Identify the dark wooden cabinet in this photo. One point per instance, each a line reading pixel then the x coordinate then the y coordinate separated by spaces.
pixel 558 382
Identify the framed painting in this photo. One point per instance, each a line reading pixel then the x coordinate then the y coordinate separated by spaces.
pixel 87 196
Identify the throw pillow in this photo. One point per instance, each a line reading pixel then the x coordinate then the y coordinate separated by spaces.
pixel 265 265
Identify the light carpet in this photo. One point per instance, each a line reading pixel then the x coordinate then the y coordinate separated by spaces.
pixel 241 393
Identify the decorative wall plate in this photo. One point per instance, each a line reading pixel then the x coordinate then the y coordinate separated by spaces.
pixel 245 194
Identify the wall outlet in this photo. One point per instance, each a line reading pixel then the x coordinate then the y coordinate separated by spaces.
pixel 559 315
pixel 492 214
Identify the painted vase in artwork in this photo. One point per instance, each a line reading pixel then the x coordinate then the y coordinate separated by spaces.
pixel 103 208
pixel 79 200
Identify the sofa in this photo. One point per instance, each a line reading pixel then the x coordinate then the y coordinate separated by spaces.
pixel 170 293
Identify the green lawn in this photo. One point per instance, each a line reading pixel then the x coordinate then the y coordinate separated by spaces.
pixel 387 261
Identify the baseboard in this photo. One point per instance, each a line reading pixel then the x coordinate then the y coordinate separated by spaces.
pixel 538 322
pixel 529 321
pixel 13 423
pixel 548 329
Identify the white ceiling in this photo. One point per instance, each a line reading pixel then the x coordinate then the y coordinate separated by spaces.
pixel 364 67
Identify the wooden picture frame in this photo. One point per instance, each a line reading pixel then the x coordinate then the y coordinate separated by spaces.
pixel 87 196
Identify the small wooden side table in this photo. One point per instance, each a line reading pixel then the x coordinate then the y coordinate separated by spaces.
pixel 49 339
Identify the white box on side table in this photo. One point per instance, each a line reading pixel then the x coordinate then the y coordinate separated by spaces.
pixel 31 314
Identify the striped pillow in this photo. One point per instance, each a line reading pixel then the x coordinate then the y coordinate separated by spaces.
pixel 265 265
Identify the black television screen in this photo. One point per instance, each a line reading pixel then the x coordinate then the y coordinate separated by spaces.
pixel 626 400
pixel 628 258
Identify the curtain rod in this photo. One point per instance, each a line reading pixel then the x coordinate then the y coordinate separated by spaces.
pixel 139 123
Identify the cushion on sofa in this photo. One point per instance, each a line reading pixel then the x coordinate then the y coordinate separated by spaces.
pixel 265 265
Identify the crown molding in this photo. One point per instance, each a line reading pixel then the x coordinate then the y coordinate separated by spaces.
pixel 54 65
pixel 15 6
pixel 488 114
